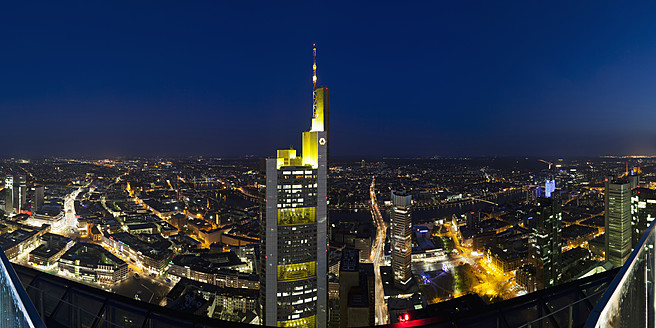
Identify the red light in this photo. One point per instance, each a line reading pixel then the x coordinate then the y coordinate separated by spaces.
pixel 407 317
pixel 401 318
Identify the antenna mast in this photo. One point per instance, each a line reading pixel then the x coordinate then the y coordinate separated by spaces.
pixel 314 80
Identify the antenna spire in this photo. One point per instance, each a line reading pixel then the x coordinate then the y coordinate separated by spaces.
pixel 314 80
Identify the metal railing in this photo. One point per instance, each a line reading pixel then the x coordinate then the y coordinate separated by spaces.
pixel 570 319
pixel 16 308
pixel 629 299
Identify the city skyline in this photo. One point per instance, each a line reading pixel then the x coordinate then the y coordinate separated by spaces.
pixel 487 164
pixel 190 79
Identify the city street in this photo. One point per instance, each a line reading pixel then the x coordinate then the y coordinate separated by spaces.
pixel 145 288
pixel 492 281
pixel 377 256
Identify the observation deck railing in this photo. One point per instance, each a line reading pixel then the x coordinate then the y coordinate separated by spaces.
pixel 16 308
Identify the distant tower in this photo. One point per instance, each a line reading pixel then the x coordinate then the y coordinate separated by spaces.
pixel 549 187
pixel 634 180
pixel 401 239
pixel 617 201
pixel 9 194
pixel 546 241
pixel 294 240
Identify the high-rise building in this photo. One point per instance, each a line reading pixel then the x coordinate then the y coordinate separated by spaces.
pixel 643 211
pixel 549 187
pixel 20 193
pixel 9 194
pixel 356 291
pixel 473 221
pixel 634 180
pixel 349 277
pixel 617 201
pixel 401 238
pixel 37 202
pixel 294 241
pixel 546 241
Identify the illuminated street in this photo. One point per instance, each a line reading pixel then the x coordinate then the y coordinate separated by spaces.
pixel 377 256
pixel 492 282
pixel 70 221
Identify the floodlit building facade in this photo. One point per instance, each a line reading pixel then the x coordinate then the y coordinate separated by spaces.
pixel 294 247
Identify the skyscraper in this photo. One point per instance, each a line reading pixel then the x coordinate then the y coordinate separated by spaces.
pixel 38 198
pixel 9 194
pixel 617 201
pixel 401 239
pixel 294 247
pixel 643 211
pixel 546 241
pixel 549 187
pixel 20 193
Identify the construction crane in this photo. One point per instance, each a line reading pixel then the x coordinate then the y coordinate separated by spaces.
pixel 549 163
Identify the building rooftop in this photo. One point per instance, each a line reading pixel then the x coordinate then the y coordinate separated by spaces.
pixel 156 250
pixel 208 263
pixel 350 260
pixel 15 237
pixel 94 254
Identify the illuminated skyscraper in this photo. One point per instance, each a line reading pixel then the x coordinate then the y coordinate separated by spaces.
pixel 546 241
pixel 618 221
pixel 9 194
pixel 401 239
pixel 20 193
pixel 549 187
pixel 643 212
pixel 294 247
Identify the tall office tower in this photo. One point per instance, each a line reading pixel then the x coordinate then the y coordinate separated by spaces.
pixel 546 241
pixel 643 211
pixel 20 193
pixel 37 203
pixel 617 201
pixel 9 194
pixel 294 240
pixel 401 238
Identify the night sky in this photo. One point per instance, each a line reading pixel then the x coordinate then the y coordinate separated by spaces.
pixel 535 78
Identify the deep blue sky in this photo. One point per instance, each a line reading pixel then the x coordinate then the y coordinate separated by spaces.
pixel 420 79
